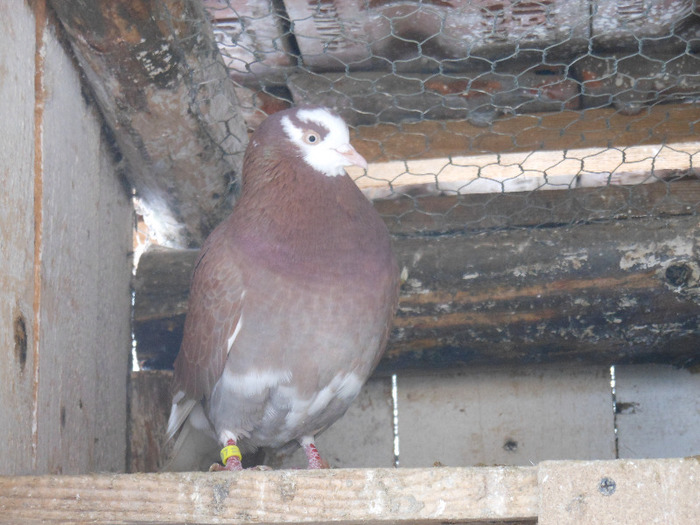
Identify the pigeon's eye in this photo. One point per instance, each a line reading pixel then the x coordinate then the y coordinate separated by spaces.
pixel 311 137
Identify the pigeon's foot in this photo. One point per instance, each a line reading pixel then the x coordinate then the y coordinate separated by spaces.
pixel 314 458
pixel 230 457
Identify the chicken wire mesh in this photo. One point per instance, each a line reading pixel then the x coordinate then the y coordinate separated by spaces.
pixel 487 117
pixel 475 99
pixel 484 97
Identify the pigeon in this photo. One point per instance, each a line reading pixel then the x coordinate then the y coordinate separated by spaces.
pixel 291 300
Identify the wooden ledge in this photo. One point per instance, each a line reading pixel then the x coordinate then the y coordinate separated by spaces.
pixel 553 492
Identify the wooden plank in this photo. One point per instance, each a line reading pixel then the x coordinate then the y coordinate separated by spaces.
pixel 85 274
pixel 601 292
pixel 374 97
pixel 564 130
pixel 150 401
pixel 517 416
pixel 597 293
pixel 555 492
pixel 493 495
pixel 494 174
pixel 602 492
pixel 432 214
pixel 658 411
pixel 17 208
pixel 354 34
pixel 170 104
pixel 363 437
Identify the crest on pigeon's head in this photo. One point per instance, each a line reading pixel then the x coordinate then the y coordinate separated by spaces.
pixel 321 138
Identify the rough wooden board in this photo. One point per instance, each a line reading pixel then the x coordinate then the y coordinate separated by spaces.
pixel 496 495
pixel 85 308
pixel 604 292
pixel 251 39
pixel 355 34
pixel 363 437
pixel 505 416
pixel 149 408
pixel 17 137
pixel 495 174
pixel 431 214
pixel 660 124
pixel 658 411
pixel 663 492
pixel 597 293
pixel 170 103
pixel 559 492
pixel 373 97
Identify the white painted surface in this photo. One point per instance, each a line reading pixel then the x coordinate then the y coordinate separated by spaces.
pixel 505 417
pixel 658 411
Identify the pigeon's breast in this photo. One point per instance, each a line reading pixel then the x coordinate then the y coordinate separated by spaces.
pixel 301 353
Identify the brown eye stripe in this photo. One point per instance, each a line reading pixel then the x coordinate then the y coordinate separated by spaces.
pixel 310 126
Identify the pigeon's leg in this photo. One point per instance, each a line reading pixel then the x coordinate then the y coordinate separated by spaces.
pixel 230 457
pixel 314 458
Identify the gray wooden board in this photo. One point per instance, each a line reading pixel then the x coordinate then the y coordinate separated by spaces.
pixel 363 437
pixel 16 236
pixel 65 268
pixel 517 416
pixel 658 411
pixel 85 283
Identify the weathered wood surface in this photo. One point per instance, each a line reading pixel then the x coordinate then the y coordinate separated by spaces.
pixel 562 130
pixel 515 416
pixel 164 91
pixel 17 226
pixel 580 289
pixel 562 493
pixel 658 411
pixel 65 267
pixel 498 494
pixel 623 491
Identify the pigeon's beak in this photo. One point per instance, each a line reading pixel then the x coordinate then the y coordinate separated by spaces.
pixel 352 156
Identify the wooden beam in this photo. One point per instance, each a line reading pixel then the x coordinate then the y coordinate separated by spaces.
pixel 564 283
pixel 165 93
pixel 563 130
pixel 497 494
pixel 554 492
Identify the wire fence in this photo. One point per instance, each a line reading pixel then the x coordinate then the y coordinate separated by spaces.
pixel 483 96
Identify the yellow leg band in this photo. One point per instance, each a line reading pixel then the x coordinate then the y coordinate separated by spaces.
pixel 229 452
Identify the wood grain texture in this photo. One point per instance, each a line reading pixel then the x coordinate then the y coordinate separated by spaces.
pixel 165 93
pixel 85 283
pixel 577 288
pixel 497 494
pixel 661 491
pixel 658 411
pixel 17 319
pixel 65 269
pixel 516 416
pixel 659 124
pixel 554 492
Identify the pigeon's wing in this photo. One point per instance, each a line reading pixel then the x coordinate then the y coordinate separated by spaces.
pixel 213 317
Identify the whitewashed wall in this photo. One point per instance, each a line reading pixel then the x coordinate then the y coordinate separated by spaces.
pixel 65 267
